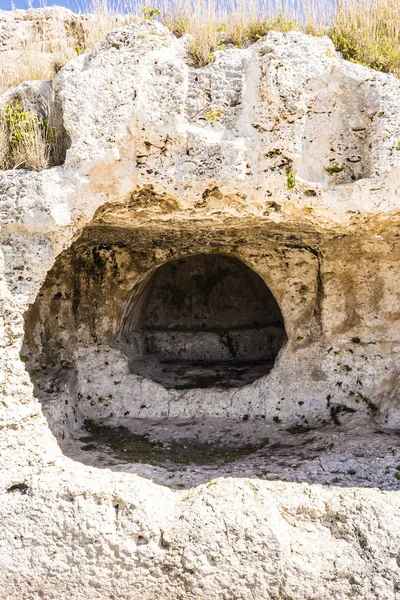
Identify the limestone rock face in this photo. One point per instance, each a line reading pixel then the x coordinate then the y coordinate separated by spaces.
pixel 43 39
pixel 20 28
pixel 284 158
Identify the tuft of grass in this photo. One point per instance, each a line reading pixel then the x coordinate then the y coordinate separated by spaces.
pixel 27 138
pixel 290 179
pixel 368 32
pixel 334 169
pixel 244 29
pixel 335 410
pixel 30 65
pixel 213 115
pixel 371 406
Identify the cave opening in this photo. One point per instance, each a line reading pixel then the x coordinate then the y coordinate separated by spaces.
pixel 136 359
pixel 200 321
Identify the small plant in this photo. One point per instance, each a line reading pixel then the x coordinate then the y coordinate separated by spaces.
pixel 334 169
pixel 79 50
pixel 149 12
pixel 214 115
pixel 284 23
pixel 355 340
pixel 299 338
pixel 397 475
pixel 371 406
pixel 27 139
pixel 335 410
pixel 90 424
pixel 290 178
pixel 204 41
pixel 367 33
pixel 276 419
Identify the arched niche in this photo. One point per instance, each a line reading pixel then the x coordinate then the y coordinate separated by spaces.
pixel 200 321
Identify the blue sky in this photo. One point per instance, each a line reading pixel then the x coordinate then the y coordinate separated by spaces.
pixel 6 4
pixel 73 4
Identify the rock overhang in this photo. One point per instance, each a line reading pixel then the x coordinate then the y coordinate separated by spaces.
pixel 153 163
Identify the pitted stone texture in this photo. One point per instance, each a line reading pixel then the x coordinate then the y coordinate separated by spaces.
pixel 174 161
pixel 44 39
pixel 20 28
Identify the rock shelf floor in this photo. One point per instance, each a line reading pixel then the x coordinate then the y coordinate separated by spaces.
pixel 183 453
pixel 186 375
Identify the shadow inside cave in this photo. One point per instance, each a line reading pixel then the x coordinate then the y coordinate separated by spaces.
pixel 114 329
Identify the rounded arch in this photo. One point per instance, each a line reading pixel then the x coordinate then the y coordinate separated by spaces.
pixel 202 320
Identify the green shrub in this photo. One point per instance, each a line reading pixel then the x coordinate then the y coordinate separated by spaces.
pixel 27 139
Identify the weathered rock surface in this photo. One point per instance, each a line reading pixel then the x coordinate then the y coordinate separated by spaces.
pixel 45 38
pixel 286 158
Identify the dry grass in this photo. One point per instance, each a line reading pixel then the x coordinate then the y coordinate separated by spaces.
pixel 28 65
pixel 368 32
pixel 365 31
pixel 27 138
pixel 214 24
pixel 52 42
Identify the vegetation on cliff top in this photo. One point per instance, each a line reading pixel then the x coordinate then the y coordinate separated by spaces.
pixel 364 31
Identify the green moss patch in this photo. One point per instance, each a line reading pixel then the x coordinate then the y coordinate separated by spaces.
pixel 131 447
